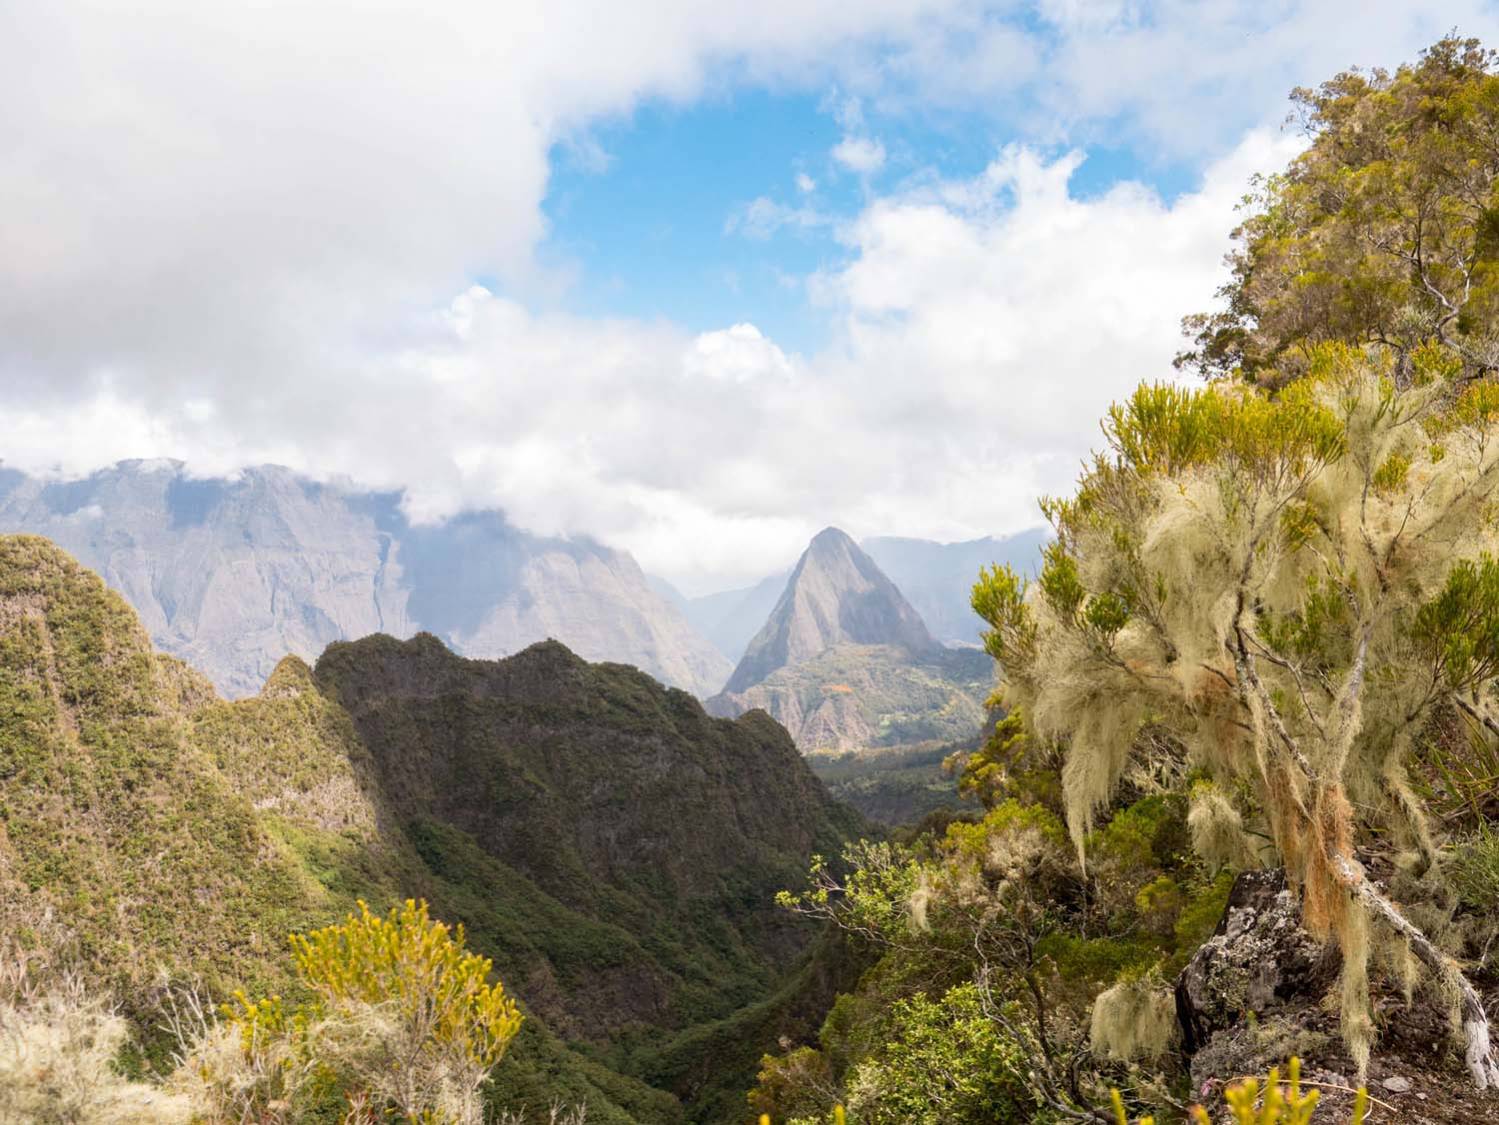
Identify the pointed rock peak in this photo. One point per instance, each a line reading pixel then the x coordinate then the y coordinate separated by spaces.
pixel 831 538
pixel 836 595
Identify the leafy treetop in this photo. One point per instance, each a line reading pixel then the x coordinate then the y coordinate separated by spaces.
pixel 1384 231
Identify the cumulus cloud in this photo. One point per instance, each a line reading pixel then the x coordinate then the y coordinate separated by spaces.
pixel 859 154
pixel 243 235
pixel 982 326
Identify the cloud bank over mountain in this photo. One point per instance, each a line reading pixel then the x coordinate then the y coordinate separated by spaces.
pixel 305 238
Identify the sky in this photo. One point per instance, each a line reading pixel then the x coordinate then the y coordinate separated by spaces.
pixel 693 279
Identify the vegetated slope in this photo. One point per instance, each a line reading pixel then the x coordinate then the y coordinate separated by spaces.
pixel 610 846
pixel 866 697
pixel 845 663
pixel 233 574
pixel 938 578
pixel 619 799
pixel 897 787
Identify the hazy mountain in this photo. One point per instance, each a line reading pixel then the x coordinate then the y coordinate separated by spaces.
pixel 731 618
pixel 614 849
pixel 231 575
pixel 844 661
pixel 938 578
pixel 835 595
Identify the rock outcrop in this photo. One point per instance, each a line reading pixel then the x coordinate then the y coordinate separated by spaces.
pixel 1261 990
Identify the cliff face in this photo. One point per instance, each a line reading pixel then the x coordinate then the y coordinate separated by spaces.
pixel 835 595
pixel 845 663
pixel 231 575
pixel 614 849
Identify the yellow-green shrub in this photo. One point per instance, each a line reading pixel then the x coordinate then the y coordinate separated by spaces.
pixel 403 1021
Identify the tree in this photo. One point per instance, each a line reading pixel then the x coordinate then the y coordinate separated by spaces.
pixel 1385 231
pixel 1282 592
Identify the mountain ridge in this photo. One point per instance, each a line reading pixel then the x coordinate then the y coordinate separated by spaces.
pixel 231 574
pixel 613 848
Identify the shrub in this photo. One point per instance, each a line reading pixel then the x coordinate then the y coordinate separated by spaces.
pixel 403 1021
pixel 945 1062
pixel 1277 1105
pixel 57 1050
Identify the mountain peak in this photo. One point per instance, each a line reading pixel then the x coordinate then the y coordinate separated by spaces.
pixel 836 595
pixel 831 537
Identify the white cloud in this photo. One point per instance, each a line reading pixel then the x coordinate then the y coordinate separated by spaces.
pixel 859 154
pixel 763 217
pixel 243 235
pixel 805 183
pixel 738 354
pixel 982 326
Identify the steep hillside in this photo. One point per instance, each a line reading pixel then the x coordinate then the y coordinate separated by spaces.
pixel 938 578
pixel 836 595
pixel 863 697
pixel 609 845
pixel 619 799
pixel 231 575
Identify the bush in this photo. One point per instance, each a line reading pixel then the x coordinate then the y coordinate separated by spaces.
pixel 403 1021
pixel 945 1063
pixel 58 1045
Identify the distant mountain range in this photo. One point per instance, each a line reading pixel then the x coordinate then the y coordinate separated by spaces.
pixel 938 578
pixel 232 575
pixel 730 618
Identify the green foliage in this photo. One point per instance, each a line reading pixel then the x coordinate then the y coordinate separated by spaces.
pixel 1381 232
pixel 435 986
pixel 402 1020
pixel 944 1063
pixel 894 787
pixel 1474 869
pixel 1458 630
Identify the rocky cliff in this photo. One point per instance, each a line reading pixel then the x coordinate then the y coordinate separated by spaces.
pixel 836 595
pixel 231 575
pixel 845 663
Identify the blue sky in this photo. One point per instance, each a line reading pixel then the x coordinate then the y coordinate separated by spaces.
pixel 694 279
pixel 646 213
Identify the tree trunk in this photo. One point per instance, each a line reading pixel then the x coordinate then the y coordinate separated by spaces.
pixel 1482 1062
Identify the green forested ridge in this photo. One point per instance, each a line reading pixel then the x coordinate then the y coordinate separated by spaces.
pixel 173 837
